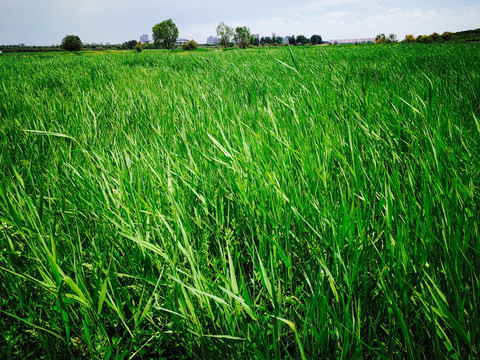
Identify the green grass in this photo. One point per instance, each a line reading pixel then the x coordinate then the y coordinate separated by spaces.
pixel 316 203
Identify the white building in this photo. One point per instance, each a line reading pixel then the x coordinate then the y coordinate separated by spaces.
pixel 353 41
pixel 212 40
pixel 144 38
pixel 181 41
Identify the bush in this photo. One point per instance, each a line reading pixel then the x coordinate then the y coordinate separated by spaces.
pixel 139 47
pixel 71 43
pixel 436 37
pixel 409 38
pixel 425 39
pixel 191 45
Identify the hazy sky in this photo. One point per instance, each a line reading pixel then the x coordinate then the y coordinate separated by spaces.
pixel 46 22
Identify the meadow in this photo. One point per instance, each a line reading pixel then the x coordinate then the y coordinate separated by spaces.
pixel 276 203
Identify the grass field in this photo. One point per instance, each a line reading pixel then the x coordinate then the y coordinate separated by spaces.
pixel 312 203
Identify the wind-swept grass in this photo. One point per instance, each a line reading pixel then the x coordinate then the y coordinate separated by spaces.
pixel 315 203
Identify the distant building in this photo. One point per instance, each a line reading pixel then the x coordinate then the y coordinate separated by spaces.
pixel 144 39
pixel 286 39
pixel 181 41
pixel 212 40
pixel 353 41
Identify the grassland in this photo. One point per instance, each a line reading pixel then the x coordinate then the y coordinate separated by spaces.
pixel 318 203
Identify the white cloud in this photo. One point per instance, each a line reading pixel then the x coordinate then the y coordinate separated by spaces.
pixel 315 6
pixel 421 21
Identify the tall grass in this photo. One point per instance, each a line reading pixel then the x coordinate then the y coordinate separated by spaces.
pixel 271 204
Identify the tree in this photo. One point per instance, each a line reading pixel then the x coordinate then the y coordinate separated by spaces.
pixel 409 38
pixel 436 37
pixel 392 38
pixel 380 39
pixel 291 40
pixel 225 33
pixel 266 40
pixel 71 43
pixel 129 45
pixel 316 39
pixel 165 34
pixel 276 40
pixel 242 36
pixel 424 39
pixel 139 47
pixel 301 40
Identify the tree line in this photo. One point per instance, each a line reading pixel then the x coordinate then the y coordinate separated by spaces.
pixel 242 36
pixel 461 36
pixel 166 33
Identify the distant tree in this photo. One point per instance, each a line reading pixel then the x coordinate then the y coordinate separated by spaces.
pixel 392 38
pixel 242 36
pixel 266 40
pixel 446 36
pixel 276 40
pixel 301 40
pixel 190 45
pixel 436 37
pixel 129 45
pixel 165 34
pixel 71 43
pixel 409 38
pixel 225 33
pixel 139 47
pixel 380 39
pixel 254 40
pixel 424 39
pixel 316 39
pixel 291 40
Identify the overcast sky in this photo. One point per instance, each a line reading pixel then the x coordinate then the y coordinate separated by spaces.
pixel 46 22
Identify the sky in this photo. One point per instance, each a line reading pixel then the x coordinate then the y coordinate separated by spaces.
pixel 47 22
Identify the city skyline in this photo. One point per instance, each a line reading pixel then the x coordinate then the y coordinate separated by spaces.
pixel 46 23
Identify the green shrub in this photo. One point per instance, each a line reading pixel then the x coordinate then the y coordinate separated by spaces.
pixel 425 39
pixel 191 45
